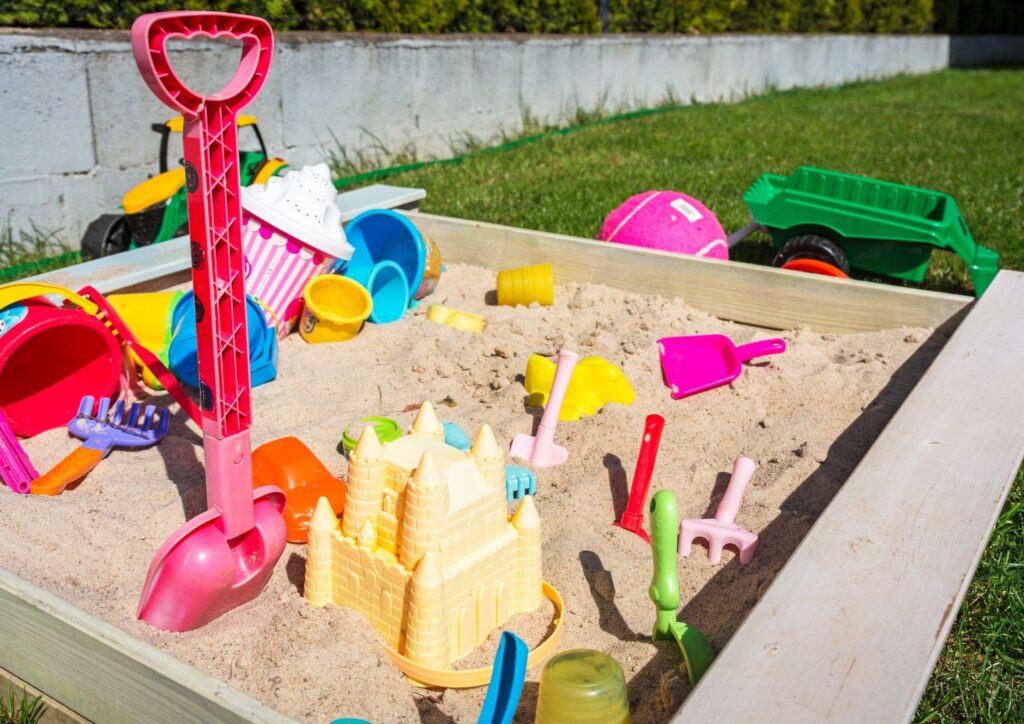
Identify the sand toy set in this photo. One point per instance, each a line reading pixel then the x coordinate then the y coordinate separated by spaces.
pixel 431 534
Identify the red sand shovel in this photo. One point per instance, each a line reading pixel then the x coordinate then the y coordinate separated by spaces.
pixel 221 558
pixel 633 516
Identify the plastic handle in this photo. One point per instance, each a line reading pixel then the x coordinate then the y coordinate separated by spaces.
pixel 653 426
pixel 20 291
pixel 567 360
pixel 151 32
pixel 762 348
pixel 664 590
pixel 742 472
pixel 74 467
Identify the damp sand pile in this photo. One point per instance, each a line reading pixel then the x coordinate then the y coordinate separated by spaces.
pixel 806 418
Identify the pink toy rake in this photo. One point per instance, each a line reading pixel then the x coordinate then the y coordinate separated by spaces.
pixel 541 451
pixel 221 558
pixel 721 530
pixel 633 516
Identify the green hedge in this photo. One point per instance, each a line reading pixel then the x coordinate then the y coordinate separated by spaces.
pixel 555 16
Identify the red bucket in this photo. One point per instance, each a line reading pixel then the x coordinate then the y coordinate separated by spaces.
pixel 51 357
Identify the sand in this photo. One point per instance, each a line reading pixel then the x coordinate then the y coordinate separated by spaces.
pixel 806 418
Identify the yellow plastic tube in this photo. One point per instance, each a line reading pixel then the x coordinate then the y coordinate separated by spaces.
pixel 526 285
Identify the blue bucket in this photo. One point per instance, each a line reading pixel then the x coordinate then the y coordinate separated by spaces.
pixel 183 358
pixel 382 235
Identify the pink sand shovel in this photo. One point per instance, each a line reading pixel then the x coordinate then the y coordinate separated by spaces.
pixel 221 558
pixel 721 530
pixel 699 362
pixel 541 451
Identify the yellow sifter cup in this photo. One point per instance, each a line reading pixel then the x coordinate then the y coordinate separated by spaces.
pixel 582 685
pixel 526 285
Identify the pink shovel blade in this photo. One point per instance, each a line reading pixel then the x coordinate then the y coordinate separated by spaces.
pixel 199 574
pixel 700 362
pixel 548 455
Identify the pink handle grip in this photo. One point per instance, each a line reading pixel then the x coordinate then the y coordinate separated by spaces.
pixel 151 32
pixel 563 373
pixel 742 472
pixel 761 348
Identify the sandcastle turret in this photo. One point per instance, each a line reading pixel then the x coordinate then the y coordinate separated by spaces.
pixel 366 473
pixel 318 582
pixel 489 458
pixel 426 635
pixel 426 423
pixel 528 556
pixel 426 508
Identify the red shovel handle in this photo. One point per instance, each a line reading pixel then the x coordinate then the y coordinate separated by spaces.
pixel 149 44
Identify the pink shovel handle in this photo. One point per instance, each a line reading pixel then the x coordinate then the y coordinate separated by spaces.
pixel 149 44
pixel 761 348
pixel 742 472
pixel 563 373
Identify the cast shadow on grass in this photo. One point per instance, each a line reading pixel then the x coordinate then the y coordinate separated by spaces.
pixel 780 538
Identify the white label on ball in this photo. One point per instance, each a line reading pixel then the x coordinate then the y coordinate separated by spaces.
pixel 686 210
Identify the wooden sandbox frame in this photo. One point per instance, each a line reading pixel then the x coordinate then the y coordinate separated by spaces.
pixel 850 628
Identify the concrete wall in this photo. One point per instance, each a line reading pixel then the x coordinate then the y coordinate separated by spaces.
pixel 75 114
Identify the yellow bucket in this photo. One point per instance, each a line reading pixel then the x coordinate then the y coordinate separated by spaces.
pixel 526 285
pixel 336 308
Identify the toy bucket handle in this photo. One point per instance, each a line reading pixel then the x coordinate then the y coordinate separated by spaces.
pixel 20 291
pixel 150 33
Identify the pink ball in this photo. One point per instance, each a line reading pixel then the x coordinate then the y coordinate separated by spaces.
pixel 669 221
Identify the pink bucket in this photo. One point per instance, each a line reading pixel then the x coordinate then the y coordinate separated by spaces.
pixel 277 268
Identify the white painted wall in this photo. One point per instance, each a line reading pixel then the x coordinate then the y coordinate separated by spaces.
pixel 75 114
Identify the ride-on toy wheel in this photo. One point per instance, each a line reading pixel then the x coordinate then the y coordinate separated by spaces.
pixel 105 236
pixel 812 246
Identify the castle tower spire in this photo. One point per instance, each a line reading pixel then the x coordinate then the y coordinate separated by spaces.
pixel 318 583
pixel 426 423
pixel 426 507
pixel 426 634
pixel 489 458
pixel 366 471
pixel 526 521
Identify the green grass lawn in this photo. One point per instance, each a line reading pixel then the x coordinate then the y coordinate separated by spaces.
pixel 957 131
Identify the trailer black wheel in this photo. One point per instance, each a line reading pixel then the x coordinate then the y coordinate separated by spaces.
pixel 812 246
pixel 105 236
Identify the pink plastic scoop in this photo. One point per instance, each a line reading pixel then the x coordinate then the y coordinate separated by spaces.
pixel 541 451
pixel 722 530
pixel 221 558
pixel 697 363
pixel 15 468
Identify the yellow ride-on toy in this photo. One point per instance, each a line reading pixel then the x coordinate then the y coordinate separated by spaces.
pixel 155 210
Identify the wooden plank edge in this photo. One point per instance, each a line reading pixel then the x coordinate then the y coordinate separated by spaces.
pixel 139 268
pixel 105 674
pixel 746 293
pixel 888 549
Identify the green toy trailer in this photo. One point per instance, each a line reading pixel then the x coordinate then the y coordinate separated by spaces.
pixel 857 222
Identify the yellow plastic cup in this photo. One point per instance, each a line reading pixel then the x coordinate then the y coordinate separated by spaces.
pixel 581 685
pixel 456 318
pixel 335 310
pixel 148 315
pixel 526 285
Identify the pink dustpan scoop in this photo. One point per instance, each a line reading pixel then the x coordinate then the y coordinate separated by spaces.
pixel 223 557
pixel 699 362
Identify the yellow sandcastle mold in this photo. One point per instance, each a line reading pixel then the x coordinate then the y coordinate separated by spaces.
pixel 594 383
pixel 456 318
pixel 426 548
